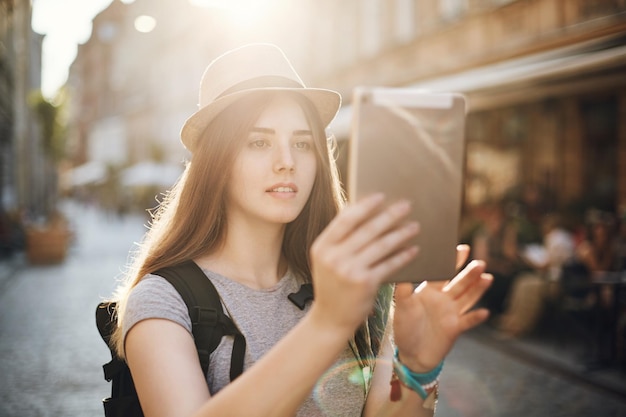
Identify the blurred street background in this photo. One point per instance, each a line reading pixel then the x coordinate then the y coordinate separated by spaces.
pixel 93 95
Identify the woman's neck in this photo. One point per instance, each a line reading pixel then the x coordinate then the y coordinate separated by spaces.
pixel 251 256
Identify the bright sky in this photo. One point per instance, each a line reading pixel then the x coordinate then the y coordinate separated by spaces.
pixel 66 23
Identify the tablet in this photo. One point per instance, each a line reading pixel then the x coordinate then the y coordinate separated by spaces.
pixel 410 144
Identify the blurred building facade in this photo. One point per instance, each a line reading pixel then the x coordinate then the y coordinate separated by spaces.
pixel 544 79
pixel 22 161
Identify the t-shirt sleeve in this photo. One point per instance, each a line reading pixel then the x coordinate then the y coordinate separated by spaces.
pixel 154 298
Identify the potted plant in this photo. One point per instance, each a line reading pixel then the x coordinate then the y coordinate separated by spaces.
pixel 47 240
pixel 48 243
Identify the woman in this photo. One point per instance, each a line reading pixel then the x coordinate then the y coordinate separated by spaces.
pixel 258 209
pixel 597 260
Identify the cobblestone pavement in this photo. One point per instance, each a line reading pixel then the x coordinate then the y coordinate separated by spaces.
pixel 50 350
pixel 480 381
pixel 51 353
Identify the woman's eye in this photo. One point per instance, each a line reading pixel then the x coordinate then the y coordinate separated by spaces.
pixel 303 145
pixel 259 143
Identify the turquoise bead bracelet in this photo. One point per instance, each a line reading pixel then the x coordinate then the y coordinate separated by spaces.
pixel 415 381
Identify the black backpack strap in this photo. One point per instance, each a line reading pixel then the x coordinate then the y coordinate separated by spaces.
pixel 209 322
pixel 106 320
pixel 123 400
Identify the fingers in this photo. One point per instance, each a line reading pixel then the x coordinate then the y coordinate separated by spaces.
pixel 364 244
pixel 366 235
pixel 378 225
pixel 393 264
pixel 464 279
pixel 365 220
pixel 462 253
pixel 440 312
pixel 473 294
pixel 473 319
pixel 469 285
pixel 403 290
pixel 374 251
pixel 351 217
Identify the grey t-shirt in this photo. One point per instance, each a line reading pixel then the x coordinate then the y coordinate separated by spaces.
pixel 264 317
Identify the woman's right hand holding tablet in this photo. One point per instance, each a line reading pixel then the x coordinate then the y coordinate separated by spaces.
pixel 354 255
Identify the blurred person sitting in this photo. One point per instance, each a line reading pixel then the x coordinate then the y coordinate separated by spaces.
pixel 596 265
pixel 597 256
pixel 531 289
pixel 599 252
pixel 495 241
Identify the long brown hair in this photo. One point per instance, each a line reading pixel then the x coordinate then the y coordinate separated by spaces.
pixel 191 219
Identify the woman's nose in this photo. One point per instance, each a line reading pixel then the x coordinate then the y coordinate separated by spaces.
pixel 284 159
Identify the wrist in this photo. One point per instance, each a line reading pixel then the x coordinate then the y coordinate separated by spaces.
pixel 423 383
pixel 414 364
pixel 327 325
pixel 424 378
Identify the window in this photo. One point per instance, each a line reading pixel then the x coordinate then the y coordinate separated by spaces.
pixel 404 20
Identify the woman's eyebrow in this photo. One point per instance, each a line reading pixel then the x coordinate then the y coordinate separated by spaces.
pixel 266 130
pixel 302 133
pixel 262 130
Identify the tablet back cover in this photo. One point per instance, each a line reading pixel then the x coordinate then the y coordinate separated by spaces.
pixel 410 144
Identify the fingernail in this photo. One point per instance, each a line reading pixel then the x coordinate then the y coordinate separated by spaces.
pixel 479 263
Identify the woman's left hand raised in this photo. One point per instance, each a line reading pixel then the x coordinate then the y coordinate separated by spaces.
pixel 428 320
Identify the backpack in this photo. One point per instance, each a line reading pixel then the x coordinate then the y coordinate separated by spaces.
pixel 209 324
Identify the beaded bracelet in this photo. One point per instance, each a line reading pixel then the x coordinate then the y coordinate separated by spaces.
pixel 420 383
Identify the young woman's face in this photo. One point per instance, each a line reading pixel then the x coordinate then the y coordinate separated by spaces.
pixel 275 169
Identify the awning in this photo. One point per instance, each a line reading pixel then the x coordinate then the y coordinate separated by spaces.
pixel 92 172
pixel 537 68
pixel 150 173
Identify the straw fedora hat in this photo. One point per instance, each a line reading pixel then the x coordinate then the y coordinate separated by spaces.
pixel 255 67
